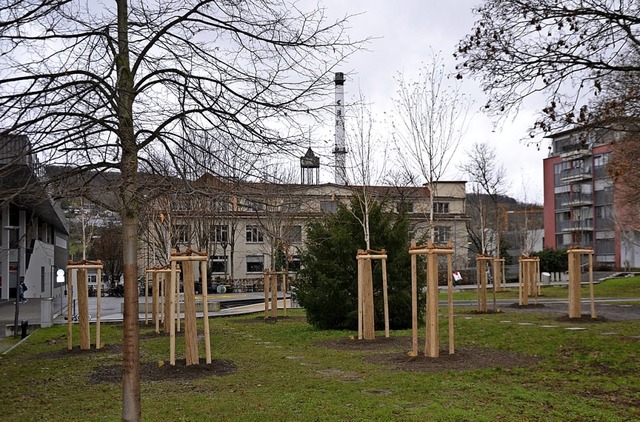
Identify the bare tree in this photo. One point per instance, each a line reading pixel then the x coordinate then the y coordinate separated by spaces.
pixel 366 161
pixel 563 50
pixel 488 181
pixel 108 248
pixel 103 88
pixel 431 119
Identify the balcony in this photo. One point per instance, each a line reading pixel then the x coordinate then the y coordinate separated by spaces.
pixel 576 174
pixel 585 225
pixel 579 200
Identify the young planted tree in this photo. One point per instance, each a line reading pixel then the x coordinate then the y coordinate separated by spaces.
pixel 366 161
pixel 100 88
pixel 488 182
pixel 431 118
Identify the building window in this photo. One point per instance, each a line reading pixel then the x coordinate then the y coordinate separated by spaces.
pixel 294 263
pixel 329 207
pixel 601 160
pixel 182 233
pixel 442 234
pixel 254 235
pixel 221 233
pixel 42 279
pixel 255 263
pixel 441 207
pixel 218 264
pixel 403 206
pixel 292 234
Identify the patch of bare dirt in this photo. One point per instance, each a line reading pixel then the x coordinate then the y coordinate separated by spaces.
pixel 162 371
pixel 528 306
pixel 463 358
pixel 583 319
pixel 270 320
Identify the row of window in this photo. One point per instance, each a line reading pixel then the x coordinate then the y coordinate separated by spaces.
pixel 254 264
pixel 253 234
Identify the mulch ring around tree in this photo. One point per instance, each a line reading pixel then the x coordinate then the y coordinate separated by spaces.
pixel 467 358
pixel 269 320
pixel 162 371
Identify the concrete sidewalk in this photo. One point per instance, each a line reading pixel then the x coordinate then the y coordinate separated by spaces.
pixel 111 308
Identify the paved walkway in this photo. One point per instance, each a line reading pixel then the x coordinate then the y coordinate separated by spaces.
pixel 111 308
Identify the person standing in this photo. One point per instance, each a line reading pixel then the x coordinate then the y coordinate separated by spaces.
pixel 22 289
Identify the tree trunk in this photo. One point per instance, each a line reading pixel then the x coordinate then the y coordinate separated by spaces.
pixel 131 409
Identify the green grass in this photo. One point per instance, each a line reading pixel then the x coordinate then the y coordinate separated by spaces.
pixel 283 374
pixel 628 287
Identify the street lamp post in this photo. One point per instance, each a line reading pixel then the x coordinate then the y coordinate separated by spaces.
pixel 17 312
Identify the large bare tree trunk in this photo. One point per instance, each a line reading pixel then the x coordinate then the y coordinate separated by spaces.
pixel 131 408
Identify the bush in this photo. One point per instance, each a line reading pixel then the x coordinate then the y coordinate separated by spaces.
pixel 327 284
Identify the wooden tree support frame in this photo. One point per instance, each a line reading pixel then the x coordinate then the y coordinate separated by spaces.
pixel 271 292
pixel 482 263
pixel 366 320
pixel 79 270
pixel 431 347
pixel 575 258
pixel 160 297
pixel 187 259
pixel 528 279
pixel 499 274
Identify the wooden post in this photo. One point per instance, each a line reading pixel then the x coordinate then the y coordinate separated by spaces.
pixel 70 275
pixel 190 327
pixel 98 307
pixel 205 310
pixel 520 283
pixel 360 294
pixel 574 285
pixel 591 288
pixel 168 289
pixel 385 297
pixel 172 314
pixel 368 315
pixel 431 347
pixel 266 282
pixel 284 292
pixel 575 258
pixel 481 265
pixel 146 297
pixel 155 299
pixel 450 301
pixel 274 295
pixel 414 302
pixel 83 309
pixel 178 302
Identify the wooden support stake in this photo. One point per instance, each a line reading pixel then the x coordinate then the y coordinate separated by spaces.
pixel 172 314
pixel 431 338
pixel 360 295
pixel 574 285
pixel 591 288
pixel 190 323
pixel 266 281
pixel 155 299
pixel 414 302
pixel 83 309
pixel 274 295
pixel 450 302
pixel 69 308
pixel 385 297
pixel 98 308
pixel 368 314
pixel 205 310
pixel 284 292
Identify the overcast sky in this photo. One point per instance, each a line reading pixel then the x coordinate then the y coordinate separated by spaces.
pixel 406 31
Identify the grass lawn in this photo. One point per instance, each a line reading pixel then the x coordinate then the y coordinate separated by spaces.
pixel 289 371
